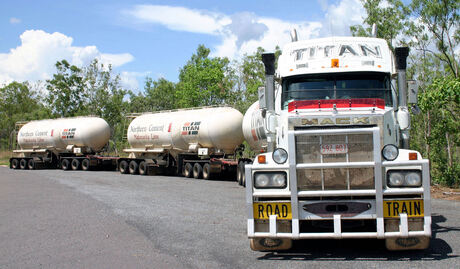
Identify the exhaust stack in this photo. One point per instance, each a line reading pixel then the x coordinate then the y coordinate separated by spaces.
pixel 403 115
pixel 269 62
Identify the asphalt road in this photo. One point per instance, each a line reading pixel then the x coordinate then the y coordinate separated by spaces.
pixel 76 219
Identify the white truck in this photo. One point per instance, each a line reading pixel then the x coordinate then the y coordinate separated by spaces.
pixel 337 164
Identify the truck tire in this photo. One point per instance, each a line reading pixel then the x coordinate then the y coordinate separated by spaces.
pixel 85 165
pixel 188 170
pixel 240 173
pixel 124 167
pixel 14 163
pixel 143 168
pixel 268 244
pixel 197 171
pixel 65 164
pixel 133 168
pixel 31 164
pixel 23 164
pixel 207 171
pixel 75 164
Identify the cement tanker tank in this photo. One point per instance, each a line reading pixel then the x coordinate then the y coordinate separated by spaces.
pixel 89 134
pixel 201 142
pixel 217 129
pixel 253 128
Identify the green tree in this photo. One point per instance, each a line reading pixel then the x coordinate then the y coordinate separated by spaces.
pixel 204 81
pixel 389 16
pixel 160 94
pixel 18 102
pixel 66 91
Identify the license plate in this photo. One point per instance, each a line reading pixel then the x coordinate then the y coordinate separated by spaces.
pixel 334 148
pixel 413 208
pixel 264 210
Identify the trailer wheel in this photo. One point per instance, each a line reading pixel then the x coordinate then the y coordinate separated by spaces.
pixel 188 170
pixel 31 164
pixel 207 171
pixel 239 173
pixel 65 164
pixel 197 171
pixel 23 164
pixel 85 165
pixel 75 164
pixel 15 163
pixel 124 167
pixel 143 168
pixel 133 168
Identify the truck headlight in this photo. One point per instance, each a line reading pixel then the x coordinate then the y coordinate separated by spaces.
pixel 404 178
pixel 413 179
pixel 390 152
pixel 270 180
pixel 280 156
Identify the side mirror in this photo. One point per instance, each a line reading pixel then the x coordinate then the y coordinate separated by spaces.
pixel 262 98
pixel 412 88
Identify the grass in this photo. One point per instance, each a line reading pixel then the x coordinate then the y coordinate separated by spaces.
pixel 5 157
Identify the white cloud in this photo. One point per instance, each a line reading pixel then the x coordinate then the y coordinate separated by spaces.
pixel 14 20
pixel 130 80
pixel 179 18
pixel 243 32
pixel 35 58
pixel 341 16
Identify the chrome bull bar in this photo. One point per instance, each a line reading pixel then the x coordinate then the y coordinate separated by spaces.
pixel 378 192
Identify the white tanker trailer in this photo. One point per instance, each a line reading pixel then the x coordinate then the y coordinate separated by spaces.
pixel 200 142
pixel 69 143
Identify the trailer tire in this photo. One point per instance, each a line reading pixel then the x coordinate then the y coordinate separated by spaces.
pixel 188 170
pixel 65 164
pixel 207 171
pixel 75 164
pixel 133 167
pixel 240 173
pixel 15 164
pixel 31 164
pixel 85 165
pixel 197 171
pixel 23 164
pixel 143 168
pixel 124 167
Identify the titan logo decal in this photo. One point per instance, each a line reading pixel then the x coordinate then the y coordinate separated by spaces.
pixel 68 133
pixel 331 121
pixel 191 128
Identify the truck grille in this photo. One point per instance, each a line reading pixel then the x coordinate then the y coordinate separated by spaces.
pixel 360 149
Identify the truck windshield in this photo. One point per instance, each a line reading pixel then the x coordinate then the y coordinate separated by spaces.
pixel 337 86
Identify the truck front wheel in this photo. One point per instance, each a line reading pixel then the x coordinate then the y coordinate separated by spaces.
pixel 270 244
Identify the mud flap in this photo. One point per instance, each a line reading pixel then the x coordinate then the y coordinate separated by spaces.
pixel 270 244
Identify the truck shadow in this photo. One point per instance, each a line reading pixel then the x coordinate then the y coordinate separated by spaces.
pixel 367 249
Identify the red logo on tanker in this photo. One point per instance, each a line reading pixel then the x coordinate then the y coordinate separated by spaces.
pixel 191 128
pixel 68 133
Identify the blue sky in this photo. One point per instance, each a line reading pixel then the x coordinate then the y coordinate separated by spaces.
pixel 154 38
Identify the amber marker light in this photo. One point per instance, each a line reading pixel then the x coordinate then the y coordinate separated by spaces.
pixel 413 156
pixel 261 159
pixel 334 63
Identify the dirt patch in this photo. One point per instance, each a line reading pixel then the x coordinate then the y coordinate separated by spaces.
pixel 440 192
